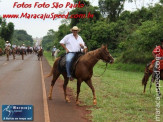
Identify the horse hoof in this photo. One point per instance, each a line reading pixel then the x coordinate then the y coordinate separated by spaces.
pixel 49 97
pixel 68 100
pixel 77 102
pixel 94 102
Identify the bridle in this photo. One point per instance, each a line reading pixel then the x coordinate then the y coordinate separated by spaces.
pixel 105 66
pixel 103 71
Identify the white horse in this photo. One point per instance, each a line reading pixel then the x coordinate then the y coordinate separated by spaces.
pixel 56 53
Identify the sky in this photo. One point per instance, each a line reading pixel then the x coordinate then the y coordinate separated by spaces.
pixel 39 27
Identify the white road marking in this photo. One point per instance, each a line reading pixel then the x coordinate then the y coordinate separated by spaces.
pixel 46 111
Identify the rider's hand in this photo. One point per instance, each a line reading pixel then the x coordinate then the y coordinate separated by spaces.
pixel 67 51
pixel 81 45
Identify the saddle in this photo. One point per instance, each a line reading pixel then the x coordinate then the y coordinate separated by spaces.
pixel 7 48
pixel 22 51
pixel 62 63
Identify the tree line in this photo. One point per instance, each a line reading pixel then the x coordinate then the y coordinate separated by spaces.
pixel 8 33
pixel 130 36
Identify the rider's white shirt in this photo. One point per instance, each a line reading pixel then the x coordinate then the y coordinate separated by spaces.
pixel 22 47
pixel 72 44
pixel 39 47
pixel 7 45
pixel 13 46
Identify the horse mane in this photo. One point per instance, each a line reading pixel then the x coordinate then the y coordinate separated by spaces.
pixel 93 52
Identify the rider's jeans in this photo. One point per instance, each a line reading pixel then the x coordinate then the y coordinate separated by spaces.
pixel 69 57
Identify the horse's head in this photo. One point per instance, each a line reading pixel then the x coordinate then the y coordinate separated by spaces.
pixel 105 55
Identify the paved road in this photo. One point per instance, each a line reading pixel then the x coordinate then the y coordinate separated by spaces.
pixel 21 84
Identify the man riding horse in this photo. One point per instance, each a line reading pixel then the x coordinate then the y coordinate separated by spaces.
pixel 13 50
pixel 22 51
pixel 7 49
pixel 155 68
pixel 40 52
pixel 157 54
pixel 72 43
pixel 53 51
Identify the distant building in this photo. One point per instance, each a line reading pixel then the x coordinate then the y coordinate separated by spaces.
pixel 37 41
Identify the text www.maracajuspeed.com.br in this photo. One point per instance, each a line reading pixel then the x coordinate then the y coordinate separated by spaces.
pixel 47 16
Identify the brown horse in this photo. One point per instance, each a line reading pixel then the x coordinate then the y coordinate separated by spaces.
pixel 83 71
pixel 22 52
pixel 40 54
pixel 147 74
pixel 1 52
pixel 7 51
pixel 13 53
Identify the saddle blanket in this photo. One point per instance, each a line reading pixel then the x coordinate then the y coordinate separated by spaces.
pixel 160 64
pixel 62 63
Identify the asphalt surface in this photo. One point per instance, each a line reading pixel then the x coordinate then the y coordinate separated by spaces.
pixel 21 84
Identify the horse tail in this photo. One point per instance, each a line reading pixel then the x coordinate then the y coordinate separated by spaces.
pixel 53 68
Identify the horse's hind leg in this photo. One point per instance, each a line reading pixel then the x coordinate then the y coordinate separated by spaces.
pixel 14 56
pixel 65 87
pixel 144 88
pixel 55 77
pixel 22 56
pixel 89 83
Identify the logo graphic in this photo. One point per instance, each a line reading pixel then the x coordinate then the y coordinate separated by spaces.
pixel 17 112
pixel 9 110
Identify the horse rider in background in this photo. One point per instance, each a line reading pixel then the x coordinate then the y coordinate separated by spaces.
pixel 72 43
pixel 7 45
pixel 157 54
pixel 39 48
pixel 22 51
pixel 7 49
pixel 53 50
pixel 14 46
pixel 13 50
pixel 23 48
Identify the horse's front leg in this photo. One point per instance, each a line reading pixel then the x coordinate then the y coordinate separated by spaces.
pixel 78 91
pixel 65 87
pixel 13 55
pixel 89 83
pixel 55 77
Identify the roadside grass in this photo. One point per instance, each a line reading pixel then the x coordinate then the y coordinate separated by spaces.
pixel 119 95
pixel 49 57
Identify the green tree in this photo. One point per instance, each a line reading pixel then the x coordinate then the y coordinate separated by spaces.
pixel 21 37
pixel 84 11
pixel 48 40
pixel 161 1
pixel 111 8
pixel 139 45
pixel 2 43
pixel 7 30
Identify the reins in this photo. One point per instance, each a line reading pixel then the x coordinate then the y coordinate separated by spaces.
pixel 103 72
